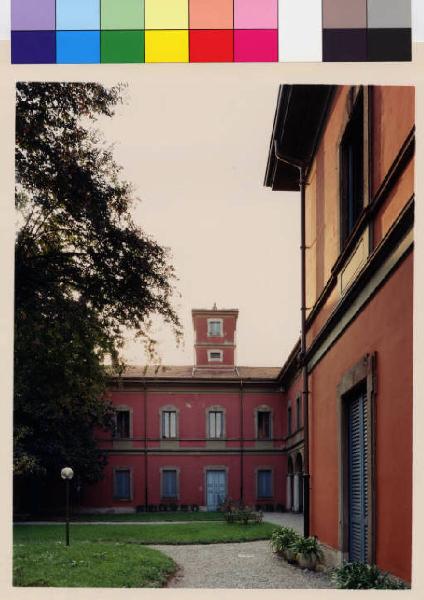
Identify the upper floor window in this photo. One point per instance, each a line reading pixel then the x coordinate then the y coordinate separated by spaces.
pixel 298 413
pixel 169 424
pixel 215 327
pixel 215 355
pixel 216 424
pixel 122 420
pixel 289 421
pixel 352 170
pixel 264 425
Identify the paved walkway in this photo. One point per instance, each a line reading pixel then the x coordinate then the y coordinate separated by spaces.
pixel 248 565
pixel 288 519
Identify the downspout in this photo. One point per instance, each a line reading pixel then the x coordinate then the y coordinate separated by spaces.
pixel 146 499
pixel 241 443
pixel 301 167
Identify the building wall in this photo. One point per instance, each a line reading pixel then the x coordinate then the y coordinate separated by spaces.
pixel 383 327
pixel 191 453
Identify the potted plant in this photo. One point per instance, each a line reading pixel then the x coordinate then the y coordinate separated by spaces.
pixel 308 552
pixel 283 541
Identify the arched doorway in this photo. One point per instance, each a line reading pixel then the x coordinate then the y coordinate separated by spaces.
pixel 289 484
pixel 298 484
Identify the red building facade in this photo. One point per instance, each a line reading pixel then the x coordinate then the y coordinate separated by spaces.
pixel 195 435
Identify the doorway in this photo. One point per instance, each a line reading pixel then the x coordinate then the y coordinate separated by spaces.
pixel 216 488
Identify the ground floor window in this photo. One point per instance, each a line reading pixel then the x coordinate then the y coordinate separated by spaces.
pixel 265 483
pixel 169 483
pixel 122 484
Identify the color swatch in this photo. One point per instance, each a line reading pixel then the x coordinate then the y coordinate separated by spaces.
pixel 153 31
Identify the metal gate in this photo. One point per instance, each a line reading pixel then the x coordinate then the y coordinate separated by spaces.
pixel 215 488
pixel 358 479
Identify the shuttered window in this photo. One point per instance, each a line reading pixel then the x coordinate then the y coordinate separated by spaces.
pixel 264 425
pixel 169 483
pixel 265 483
pixel 169 424
pixel 358 479
pixel 122 424
pixel 216 424
pixel 122 484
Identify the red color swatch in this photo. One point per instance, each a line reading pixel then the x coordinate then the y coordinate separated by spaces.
pixel 211 45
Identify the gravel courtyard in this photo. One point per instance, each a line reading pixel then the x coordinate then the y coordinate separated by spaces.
pixel 246 565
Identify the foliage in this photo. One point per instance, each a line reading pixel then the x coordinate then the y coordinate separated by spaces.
pixel 283 538
pixel 238 512
pixel 361 576
pixel 85 275
pixel 188 533
pixel 90 565
pixel 308 547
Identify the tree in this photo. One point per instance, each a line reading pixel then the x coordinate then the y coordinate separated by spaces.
pixel 84 275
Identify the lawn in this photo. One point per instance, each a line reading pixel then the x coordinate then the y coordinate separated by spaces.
pixel 190 533
pixel 154 516
pixel 113 555
pixel 88 564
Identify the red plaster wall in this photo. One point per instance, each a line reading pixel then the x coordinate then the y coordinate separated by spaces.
pixel 385 327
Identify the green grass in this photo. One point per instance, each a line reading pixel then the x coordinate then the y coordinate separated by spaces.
pixel 190 533
pixel 156 516
pixel 87 564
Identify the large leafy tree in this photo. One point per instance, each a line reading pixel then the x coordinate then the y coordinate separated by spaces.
pixel 85 275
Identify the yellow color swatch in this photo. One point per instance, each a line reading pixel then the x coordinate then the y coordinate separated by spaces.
pixel 166 46
pixel 166 14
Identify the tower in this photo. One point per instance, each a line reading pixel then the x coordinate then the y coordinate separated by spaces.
pixel 215 337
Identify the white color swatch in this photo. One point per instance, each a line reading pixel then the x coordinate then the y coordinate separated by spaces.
pixel 300 30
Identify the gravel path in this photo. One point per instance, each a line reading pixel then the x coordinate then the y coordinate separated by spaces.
pixel 245 565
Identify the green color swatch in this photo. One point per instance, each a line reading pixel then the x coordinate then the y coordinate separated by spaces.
pixel 122 14
pixel 122 46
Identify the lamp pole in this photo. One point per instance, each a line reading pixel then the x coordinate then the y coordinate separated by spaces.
pixel 67 473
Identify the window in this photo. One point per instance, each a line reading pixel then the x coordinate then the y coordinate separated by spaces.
pixel 264 425
pixel 352 171
pixel 169 424
pixel 122 484
pixel 298 413
pixel 216 424
pixel 215 327
pixel 169 483
pixel 289 420
pixel 265 483
pixel 215 355
pixel 122 430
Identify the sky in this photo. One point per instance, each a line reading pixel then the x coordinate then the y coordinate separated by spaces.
pixel 196 152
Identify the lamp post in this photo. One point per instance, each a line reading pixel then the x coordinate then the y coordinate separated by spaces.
pixel 67 473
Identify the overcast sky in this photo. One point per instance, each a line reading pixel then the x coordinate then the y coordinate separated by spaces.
pixel 196 152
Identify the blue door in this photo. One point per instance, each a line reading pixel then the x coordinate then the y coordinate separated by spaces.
pixel 358 479
pixel 216 488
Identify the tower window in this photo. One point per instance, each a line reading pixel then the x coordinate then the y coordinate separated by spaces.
pixel 215 355
pixel 215 327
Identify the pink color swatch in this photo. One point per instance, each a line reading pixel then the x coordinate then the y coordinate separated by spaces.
pixel 255 14
pixel 256 45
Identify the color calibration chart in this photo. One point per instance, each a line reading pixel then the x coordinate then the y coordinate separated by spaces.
pixel 181 31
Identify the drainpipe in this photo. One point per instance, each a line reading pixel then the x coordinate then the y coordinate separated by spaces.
pixel 301 167
pixel 241 443
pixel 146 499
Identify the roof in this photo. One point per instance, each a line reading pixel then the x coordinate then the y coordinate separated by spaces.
pixel 189 372
pixel 299 119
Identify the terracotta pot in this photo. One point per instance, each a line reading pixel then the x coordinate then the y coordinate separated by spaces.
pixel 307 561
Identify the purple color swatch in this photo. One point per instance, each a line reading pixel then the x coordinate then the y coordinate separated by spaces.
pixel 33 15
pixel 33 47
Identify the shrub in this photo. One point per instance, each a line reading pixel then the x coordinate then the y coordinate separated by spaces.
pixel 307 547
pixel 360 576
pixel 283 538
